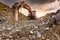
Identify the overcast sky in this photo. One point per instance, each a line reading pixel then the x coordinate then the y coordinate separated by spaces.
pixel 32 2
pixel 42 5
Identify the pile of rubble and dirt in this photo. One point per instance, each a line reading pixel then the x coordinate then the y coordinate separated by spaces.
pixel 46 28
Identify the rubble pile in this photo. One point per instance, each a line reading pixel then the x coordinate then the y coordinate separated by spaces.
pixel 40 29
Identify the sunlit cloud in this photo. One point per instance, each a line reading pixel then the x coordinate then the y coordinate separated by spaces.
pixel 40 13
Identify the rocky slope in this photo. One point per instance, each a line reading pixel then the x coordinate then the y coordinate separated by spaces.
pixel 45 28
pixel 41 29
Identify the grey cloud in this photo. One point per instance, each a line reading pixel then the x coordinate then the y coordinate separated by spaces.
pixel 40 1
pixel 31 2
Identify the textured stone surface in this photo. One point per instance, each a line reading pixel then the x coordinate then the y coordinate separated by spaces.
pixel 47 27
pixel 40 29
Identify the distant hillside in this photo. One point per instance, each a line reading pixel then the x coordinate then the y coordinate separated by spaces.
pixel 5 12
pixel 4 7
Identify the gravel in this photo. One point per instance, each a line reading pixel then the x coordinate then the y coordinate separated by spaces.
pixel 27 29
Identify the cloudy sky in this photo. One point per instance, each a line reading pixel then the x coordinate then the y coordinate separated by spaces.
pixel 43 6
pixel 38 4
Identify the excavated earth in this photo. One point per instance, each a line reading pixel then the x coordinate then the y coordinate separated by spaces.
pixel 45 28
